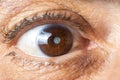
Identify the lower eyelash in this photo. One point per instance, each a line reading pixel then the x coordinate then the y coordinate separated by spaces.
pixel 29 65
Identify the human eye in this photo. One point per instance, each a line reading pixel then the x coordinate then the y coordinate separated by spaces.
pixel 54 35
pixel 57 38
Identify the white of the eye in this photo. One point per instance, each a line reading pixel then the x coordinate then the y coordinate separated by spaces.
pixel 29 41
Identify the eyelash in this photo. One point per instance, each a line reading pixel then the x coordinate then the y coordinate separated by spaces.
pixel 23 62
pixel 48 15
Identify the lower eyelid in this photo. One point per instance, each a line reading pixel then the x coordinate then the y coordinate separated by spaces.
pixel 83 62
pixel 26 64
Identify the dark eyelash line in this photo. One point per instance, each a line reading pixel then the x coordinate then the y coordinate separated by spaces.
pixel 68 16
pixel 48 15
pixel 30 65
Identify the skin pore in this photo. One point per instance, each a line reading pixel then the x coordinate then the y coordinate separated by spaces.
pixel 98 60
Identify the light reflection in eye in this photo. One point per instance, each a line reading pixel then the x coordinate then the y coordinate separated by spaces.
pixel 43 37
pixel 27 42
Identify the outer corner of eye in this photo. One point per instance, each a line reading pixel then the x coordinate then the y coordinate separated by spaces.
pixel 48 40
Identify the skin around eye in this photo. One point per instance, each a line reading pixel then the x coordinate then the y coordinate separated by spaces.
pixel 81 63
pixel 84 60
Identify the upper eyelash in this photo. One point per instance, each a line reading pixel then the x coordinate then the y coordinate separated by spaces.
pixel 73 18
pixel 49 15
pixel 26 21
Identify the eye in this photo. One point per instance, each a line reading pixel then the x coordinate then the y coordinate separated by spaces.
pixel 49 39
pixel 63 36
pixel 50 34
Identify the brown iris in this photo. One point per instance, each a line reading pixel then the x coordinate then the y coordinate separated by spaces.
pixel 56 40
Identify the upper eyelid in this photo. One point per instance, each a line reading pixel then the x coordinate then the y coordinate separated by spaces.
pixel 23 22
pixel 83 24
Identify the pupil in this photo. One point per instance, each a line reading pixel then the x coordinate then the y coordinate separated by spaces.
pixel 55 39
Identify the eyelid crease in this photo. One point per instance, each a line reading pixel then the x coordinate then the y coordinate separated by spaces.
pixel 62 14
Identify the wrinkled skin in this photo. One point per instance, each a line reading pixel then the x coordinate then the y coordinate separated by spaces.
pixel 103 16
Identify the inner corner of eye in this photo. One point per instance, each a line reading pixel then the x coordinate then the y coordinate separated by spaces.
pixel 48 40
